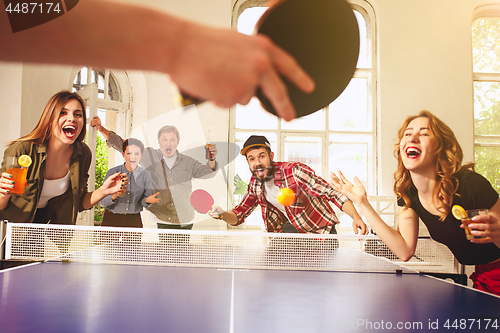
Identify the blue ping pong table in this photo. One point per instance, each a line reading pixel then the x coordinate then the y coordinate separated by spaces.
pixel 99 297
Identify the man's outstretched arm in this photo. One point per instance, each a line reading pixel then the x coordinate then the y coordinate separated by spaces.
pixel 218 65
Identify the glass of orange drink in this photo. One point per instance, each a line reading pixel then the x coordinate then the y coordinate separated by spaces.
pixel 17 167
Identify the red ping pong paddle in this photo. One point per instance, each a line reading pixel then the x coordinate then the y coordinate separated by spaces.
pixel 201 201
pixel 323 36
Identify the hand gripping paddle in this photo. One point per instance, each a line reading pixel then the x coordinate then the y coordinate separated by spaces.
pixel 323 36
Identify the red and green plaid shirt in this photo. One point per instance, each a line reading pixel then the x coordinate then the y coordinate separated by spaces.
pixel 310 213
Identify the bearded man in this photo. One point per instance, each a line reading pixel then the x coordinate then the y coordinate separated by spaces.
pixel 309 213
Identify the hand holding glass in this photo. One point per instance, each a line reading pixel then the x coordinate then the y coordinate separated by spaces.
pixel 18 174
pixel 466 221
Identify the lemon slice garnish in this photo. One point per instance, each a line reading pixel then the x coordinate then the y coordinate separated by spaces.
pixel 24 161
pixel 458 212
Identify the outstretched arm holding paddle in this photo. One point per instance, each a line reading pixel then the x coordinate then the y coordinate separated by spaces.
pixel 218 65
pixel 203 203
pixel 220 214
pixel 323 38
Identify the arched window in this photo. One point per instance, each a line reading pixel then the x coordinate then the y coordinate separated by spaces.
pixel 486 80
pixel 342 136
pixel 106 94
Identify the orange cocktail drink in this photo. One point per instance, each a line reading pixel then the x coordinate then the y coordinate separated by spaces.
pixel 17 167
pixel 19 179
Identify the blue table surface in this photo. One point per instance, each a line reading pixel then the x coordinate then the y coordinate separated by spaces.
pixel 80 297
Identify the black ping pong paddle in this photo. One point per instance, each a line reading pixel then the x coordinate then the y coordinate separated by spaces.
pixel 323 36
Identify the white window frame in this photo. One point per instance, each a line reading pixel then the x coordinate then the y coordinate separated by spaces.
pixel 370 73
pixel 123 108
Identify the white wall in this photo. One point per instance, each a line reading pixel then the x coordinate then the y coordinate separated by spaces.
pixel 424 61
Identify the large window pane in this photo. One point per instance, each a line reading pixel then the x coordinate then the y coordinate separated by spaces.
pixel 486 66
pixel 486 45
pixel 487 108
pixel 253 116
pixel 83 75
pixel 350 111
pixel 313 122
pixel 248 19
pixel 306 150
pixel 487 164
pixel 352 154
pixel 364 60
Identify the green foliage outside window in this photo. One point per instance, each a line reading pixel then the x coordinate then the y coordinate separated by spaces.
pixel 101 167
pixel 240 187
pixel 486 45
pixel 486 60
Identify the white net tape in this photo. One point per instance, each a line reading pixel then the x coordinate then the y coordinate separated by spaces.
pixel 242 250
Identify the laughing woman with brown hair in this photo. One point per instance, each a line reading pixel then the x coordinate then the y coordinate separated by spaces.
pixel 429 181
pixel 56 182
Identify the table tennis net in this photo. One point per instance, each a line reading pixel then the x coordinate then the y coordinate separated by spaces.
pixel 232 249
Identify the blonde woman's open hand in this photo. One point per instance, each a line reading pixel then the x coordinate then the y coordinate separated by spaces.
pixel 356 192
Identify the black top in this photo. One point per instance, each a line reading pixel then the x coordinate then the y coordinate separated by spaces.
pixel 474 192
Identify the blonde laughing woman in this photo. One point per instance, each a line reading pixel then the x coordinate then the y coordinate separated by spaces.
pixel 429 181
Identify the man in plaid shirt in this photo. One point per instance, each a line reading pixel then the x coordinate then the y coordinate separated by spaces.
pixel 309 213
